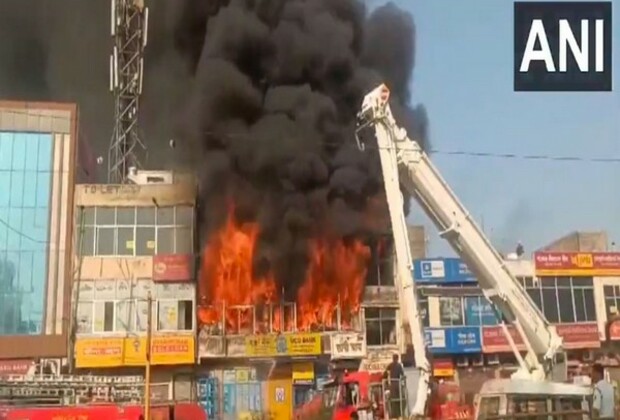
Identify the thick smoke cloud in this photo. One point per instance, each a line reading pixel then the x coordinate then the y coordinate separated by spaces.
pixel 277 85
pixel 260 94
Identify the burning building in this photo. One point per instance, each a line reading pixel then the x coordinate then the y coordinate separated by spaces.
pixel 292 215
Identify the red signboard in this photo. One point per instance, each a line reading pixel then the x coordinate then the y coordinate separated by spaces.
pixel 579 336
pixel 576 336
pixel 494 340
pixel 172 267
pixel 15 366
pixel 614 330
pixel 577 263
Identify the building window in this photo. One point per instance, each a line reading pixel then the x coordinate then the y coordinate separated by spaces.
pixel 135 231
pixel 381 272
pixel 479 311
pixel 104 316
pixel 563 299
pixel 423 305
pixel 26 173
pixel 380 326
pixel 612 301
pixel 450 311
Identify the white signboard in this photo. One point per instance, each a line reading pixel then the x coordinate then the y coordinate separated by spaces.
pixel 432 269
pixel 435 338
pixel 348 346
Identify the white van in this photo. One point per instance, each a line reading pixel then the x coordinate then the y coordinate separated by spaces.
pixel 544 400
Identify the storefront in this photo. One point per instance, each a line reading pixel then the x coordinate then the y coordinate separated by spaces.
pixel 259 374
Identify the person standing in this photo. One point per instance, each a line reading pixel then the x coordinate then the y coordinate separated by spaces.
pixel 603 402
pixel 395 374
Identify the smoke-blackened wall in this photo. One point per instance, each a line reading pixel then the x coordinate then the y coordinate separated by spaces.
pixel 271 119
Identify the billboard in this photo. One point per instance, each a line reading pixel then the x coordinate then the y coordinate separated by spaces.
pixel 478 311
pixel 442 270
pixel 597 264
pixel 131 351
pixel 453 340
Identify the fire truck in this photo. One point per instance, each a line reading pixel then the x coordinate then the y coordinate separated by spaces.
pixel 355 395
pixel 404 163
pixel 84 397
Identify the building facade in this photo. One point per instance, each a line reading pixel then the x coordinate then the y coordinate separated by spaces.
pixel 38 166
pixel 134 248
pixel 575 290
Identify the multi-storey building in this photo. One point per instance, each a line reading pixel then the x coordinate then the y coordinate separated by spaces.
pixel 134 245
pixel 38 167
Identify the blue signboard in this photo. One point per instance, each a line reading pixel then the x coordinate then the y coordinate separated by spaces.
pixel 453 340
pixel 478 311
pixel 442 270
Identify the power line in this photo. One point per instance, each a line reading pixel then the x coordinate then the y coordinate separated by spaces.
pixel 22 234
pixel 525 157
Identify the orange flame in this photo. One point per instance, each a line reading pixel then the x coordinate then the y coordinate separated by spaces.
pixel 334 279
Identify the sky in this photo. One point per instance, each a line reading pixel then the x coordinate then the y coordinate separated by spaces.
pixel 464 77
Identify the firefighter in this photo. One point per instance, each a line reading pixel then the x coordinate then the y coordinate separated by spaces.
pixel 394 374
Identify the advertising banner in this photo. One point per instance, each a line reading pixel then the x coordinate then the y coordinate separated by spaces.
pixel 172 267
pixel 453 340
pixel 494 340
pixel 478 311
pixel 577 263
pixel 283 345
pixel 348 346
pixel 442 270
pixel 112 352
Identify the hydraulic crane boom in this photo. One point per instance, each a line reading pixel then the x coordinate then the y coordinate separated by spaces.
pixel 405 163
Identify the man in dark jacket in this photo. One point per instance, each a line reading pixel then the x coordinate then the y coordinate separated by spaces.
pixel 395 375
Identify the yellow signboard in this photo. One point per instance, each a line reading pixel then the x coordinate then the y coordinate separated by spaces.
pixel 131 351
pixel 303 373
pixel 283 345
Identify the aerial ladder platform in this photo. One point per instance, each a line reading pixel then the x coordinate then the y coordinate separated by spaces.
pixel 405 164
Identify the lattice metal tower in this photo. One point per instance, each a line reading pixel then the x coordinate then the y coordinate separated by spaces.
pixel 130 32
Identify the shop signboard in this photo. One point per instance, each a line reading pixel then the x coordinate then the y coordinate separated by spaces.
pixel 597 264
pixel 613 330
pixel 172 267
pixel 442 270
pixel 478 311
pixel 494 340
pixel 131 351
pixel 269 345
pixel 453 340
pixel 16 366
pixel 575 336
pixel 235 346
pixel 210 346
pixel 443 367
pixel 579 335
pixel 348 346
pixel 303 373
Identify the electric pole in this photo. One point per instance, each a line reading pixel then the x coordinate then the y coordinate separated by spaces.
pixel 130 32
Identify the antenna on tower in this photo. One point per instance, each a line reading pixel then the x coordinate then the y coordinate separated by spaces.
pixel 129 30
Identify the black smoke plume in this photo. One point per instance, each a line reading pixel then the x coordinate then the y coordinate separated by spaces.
pixel 277 85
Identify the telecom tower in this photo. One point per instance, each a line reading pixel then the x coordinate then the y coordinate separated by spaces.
pixel 129 30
